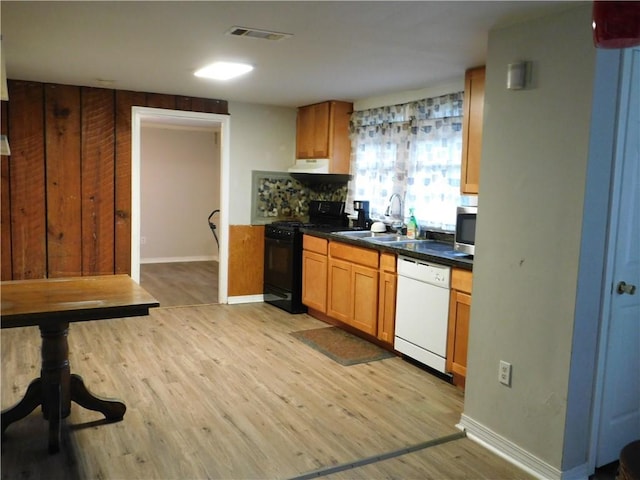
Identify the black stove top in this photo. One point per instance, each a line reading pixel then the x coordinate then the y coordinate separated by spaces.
pixel 284 226
pixel 323 215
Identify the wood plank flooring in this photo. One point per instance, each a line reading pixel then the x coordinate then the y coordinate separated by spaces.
pixel 181 283
pixel 225 392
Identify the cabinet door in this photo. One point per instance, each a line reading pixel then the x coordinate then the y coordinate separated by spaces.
pixel 321 130
pixel 312 137
pixel 458 336
pixel 472 130
pixel 314 281
pixel 365 292
pixel 339 290
pixel 387 306
pixel 304 133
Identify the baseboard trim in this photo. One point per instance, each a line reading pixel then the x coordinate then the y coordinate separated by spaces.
pixel 581 472
pixel 245 299
pixel 199 258
pixel 508 450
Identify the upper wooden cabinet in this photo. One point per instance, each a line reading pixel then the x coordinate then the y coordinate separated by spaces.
pixel 323 132
pixel 472 130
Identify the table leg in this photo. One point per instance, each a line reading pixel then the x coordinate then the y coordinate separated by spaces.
pixel 113 410
pixel 32 398
pixel 55 375
pixel 56 388
pixel 55 418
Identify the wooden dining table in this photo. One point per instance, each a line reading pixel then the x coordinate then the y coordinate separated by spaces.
pixel 51 305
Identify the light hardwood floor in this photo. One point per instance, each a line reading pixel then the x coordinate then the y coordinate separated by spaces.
pixel 181 283
pixel 224 391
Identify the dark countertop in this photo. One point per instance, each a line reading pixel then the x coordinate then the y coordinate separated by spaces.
pixel 429 251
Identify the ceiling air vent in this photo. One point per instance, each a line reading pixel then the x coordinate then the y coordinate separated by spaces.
pixel 255 33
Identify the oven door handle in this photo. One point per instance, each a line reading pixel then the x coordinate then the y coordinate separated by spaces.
pixel 279 241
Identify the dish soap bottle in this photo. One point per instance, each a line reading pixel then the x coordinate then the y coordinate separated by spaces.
pixel 412 225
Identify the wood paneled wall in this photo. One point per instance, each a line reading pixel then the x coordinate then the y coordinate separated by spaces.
pixel 66 189
pixel 246 260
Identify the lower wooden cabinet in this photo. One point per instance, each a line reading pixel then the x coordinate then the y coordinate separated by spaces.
pixel 314 273
pixel 387 298
pixel 365 293
pixel 458 330
pixel 354 285
pixel 339 292
pixel 357 286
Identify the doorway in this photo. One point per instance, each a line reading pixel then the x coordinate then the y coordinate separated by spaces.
pixel 220 124
pixel 180 186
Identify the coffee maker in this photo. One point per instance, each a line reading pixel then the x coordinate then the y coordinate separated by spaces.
pixel 362 207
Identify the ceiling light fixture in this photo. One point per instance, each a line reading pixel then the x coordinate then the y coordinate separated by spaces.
pixel 223 70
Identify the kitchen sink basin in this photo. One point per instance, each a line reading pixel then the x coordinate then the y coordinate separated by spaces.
pixel 390 238
pixel 365 234
pixel 402 242
pixel 383 237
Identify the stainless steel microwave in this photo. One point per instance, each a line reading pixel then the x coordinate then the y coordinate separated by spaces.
pixel 465 237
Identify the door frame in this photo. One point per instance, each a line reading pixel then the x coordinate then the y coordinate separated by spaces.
pixel 180 117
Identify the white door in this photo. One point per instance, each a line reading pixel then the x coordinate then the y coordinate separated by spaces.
pixel 620 408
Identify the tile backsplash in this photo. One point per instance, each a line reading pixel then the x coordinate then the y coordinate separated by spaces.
pixel 279 196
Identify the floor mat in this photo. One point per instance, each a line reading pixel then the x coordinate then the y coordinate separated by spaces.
pixel 341 346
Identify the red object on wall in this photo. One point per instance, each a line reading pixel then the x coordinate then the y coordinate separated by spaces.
pixel 616 24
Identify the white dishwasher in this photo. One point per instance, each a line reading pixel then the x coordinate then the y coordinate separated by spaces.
pixel 422 311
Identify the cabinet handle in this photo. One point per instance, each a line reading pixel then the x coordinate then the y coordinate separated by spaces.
pixel 623 288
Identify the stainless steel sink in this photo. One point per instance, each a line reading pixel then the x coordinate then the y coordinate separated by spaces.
pixel 402 242
pixel 391 238
pixel 365 234
pixel 383 237
pixel 405 242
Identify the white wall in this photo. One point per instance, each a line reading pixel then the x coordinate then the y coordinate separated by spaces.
pixel 262 138
pixel 180 186
pixel 178 172
pixel 532 187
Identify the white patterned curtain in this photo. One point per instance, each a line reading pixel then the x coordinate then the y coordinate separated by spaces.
pixel 414 150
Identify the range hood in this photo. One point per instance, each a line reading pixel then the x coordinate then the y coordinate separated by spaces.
pixel 312 171
pixel 315 165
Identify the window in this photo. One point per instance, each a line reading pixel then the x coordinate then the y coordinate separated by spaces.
pixel 414 150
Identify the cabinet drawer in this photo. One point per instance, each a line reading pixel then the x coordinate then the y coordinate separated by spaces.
pixel 360 256
pixel 461 280
pixel 315 244
pixel 388 262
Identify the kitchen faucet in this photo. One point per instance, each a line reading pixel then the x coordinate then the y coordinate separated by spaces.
pixel 399 218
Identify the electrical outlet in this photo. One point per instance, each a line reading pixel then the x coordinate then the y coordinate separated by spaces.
pixel 504 373
pixel 143 240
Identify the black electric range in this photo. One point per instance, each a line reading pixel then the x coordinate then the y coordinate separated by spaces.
pixel 283 253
